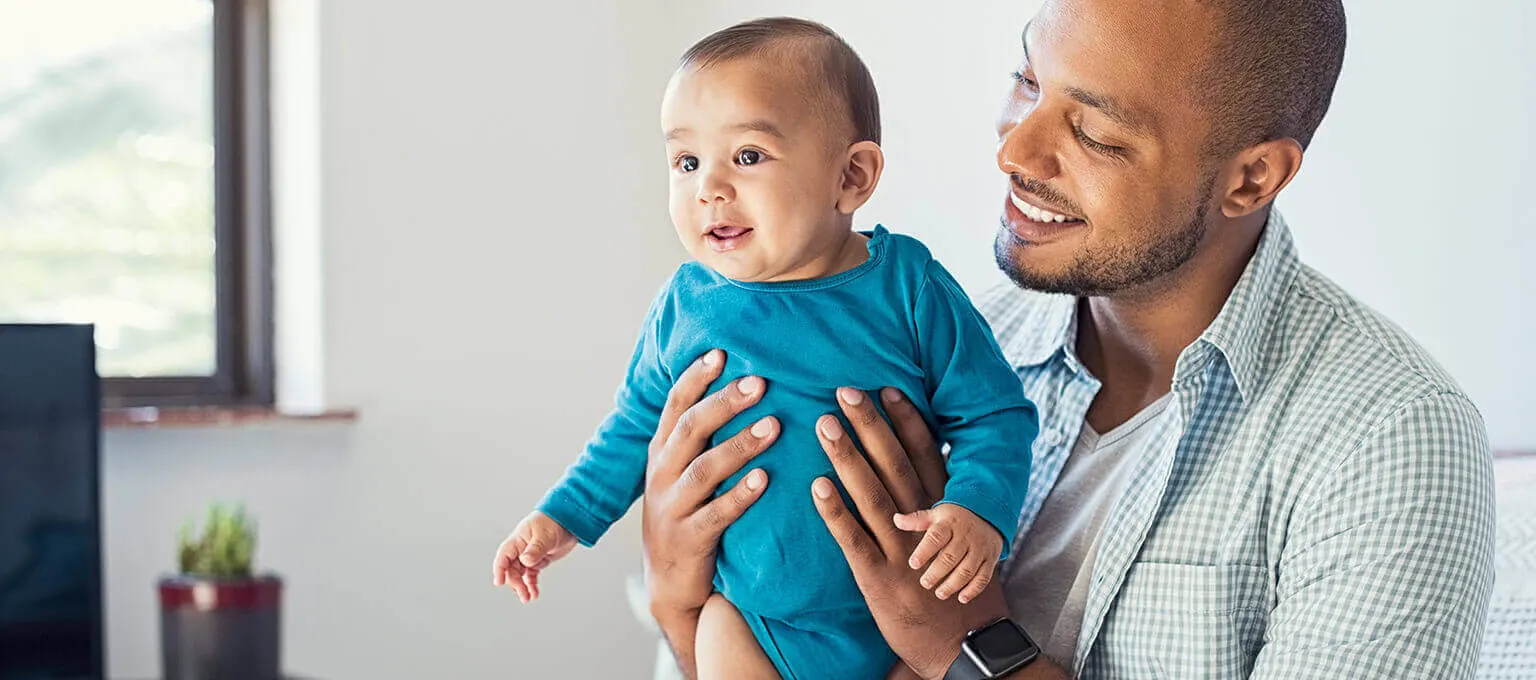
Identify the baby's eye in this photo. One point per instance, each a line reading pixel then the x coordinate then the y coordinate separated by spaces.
pixel 688 163
pixel 749 157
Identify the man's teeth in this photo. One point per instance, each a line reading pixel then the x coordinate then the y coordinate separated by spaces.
pixel 1034 213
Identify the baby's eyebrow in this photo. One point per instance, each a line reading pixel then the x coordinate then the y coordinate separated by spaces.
pixel 759 125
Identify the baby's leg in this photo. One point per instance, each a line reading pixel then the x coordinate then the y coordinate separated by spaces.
pixel 725 646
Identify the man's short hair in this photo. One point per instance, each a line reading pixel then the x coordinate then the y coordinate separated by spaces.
pixel 839 80
pixel 1273 71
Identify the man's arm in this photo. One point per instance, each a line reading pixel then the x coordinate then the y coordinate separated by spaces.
pixel 1388 565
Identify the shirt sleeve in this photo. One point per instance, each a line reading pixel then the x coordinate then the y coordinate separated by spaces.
pixel 609 475
pixel 1387 569
pixel 978 402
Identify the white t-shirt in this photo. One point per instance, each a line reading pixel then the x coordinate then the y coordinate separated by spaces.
pixel 1048 576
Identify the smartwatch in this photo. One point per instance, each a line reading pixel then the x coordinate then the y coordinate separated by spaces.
pixel 992 651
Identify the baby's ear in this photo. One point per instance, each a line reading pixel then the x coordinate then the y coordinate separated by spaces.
pixel 861 172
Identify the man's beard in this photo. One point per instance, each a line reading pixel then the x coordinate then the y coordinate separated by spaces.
pixel 1106 273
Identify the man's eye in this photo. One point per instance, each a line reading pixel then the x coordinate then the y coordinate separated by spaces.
pixel 749 157
pixel 1026 81
pixel 688 163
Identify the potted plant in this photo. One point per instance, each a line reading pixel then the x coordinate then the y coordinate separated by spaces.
pixel 219 621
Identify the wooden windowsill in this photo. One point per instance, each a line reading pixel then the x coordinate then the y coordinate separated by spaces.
pixel 187 417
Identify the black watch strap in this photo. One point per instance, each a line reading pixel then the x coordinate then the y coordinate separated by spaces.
pixel 964 668
pixel 1002 644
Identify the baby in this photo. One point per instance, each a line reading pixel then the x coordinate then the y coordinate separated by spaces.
pixel 772 132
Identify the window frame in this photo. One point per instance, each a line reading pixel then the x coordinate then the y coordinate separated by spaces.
pixel 244 368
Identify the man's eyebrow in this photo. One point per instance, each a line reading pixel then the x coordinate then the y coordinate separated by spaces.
pixel 1112 110
pixel 1109 107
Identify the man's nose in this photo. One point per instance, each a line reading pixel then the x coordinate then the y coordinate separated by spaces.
pixel 1025 145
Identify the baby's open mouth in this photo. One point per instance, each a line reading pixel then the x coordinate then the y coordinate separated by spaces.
pixel 727 237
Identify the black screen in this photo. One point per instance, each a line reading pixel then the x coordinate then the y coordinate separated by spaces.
pixel 1002 646
pixel 50 546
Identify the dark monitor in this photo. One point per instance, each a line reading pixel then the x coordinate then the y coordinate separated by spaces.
pixel 50 508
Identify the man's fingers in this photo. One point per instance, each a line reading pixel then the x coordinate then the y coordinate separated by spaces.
pixel 882 449
pixel 686 391
pixel 933 541
pixel 858 547
pixel 705 473
pixel 718 514
pixel 917 440
pixel 869 494
pixel 970 566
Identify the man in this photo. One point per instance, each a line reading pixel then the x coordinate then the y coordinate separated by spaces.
pixel 1242 471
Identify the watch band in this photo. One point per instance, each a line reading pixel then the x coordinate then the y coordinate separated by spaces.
pixel 964 668
pixel 968 664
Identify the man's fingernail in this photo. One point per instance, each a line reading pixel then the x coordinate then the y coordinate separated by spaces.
pixel 762 428
pixel 712 357
pixel 750 385
pixel 891 395
pixel 830 429
pixel 821 487
pixel 850 396
pixel 755 479
pixel 964 599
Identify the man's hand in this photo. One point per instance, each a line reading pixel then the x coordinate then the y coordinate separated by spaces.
pixel 681 519
pixel 900 471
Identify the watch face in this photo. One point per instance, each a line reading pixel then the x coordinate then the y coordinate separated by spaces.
pixel 1002 646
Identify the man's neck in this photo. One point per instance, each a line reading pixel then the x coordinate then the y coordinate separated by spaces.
pixel 1131 340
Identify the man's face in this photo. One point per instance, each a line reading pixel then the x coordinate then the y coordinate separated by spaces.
pixel 754 172
pixel 1102 139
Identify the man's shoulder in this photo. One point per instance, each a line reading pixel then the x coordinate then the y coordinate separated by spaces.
pixel 1340 374
pixel 1326 331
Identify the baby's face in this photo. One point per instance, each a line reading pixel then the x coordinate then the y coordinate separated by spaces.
pixel 755 174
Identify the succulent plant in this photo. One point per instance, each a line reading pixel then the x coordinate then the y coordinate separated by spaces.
pixel 225 547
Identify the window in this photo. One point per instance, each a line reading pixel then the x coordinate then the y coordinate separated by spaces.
pixel 133 190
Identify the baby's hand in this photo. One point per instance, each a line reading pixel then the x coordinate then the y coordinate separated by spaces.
pixel 967 547
pixel 533 545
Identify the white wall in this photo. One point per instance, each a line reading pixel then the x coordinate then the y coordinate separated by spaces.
pixel 494 222
pixel 494 225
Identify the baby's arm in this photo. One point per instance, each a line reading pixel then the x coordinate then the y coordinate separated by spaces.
pixel 979 407
pixel 536 543
pixel 963 549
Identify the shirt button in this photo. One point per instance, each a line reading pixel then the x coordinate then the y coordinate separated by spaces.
pixel 1052 437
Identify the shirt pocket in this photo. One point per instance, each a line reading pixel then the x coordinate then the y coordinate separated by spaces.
pixel 1185 621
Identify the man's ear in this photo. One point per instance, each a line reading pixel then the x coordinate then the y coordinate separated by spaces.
pixel 1257 174
pixel 861 172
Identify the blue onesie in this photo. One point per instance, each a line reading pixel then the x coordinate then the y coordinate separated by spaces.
pixel 898 319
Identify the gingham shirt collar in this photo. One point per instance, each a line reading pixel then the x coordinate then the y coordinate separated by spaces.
pixel 1237 334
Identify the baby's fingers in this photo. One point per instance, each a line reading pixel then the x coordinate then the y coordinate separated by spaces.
pixel 947 561
pixel 969 567
pixel 933 541
pixel 978 584
pixel 531 583
pixel 506 557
